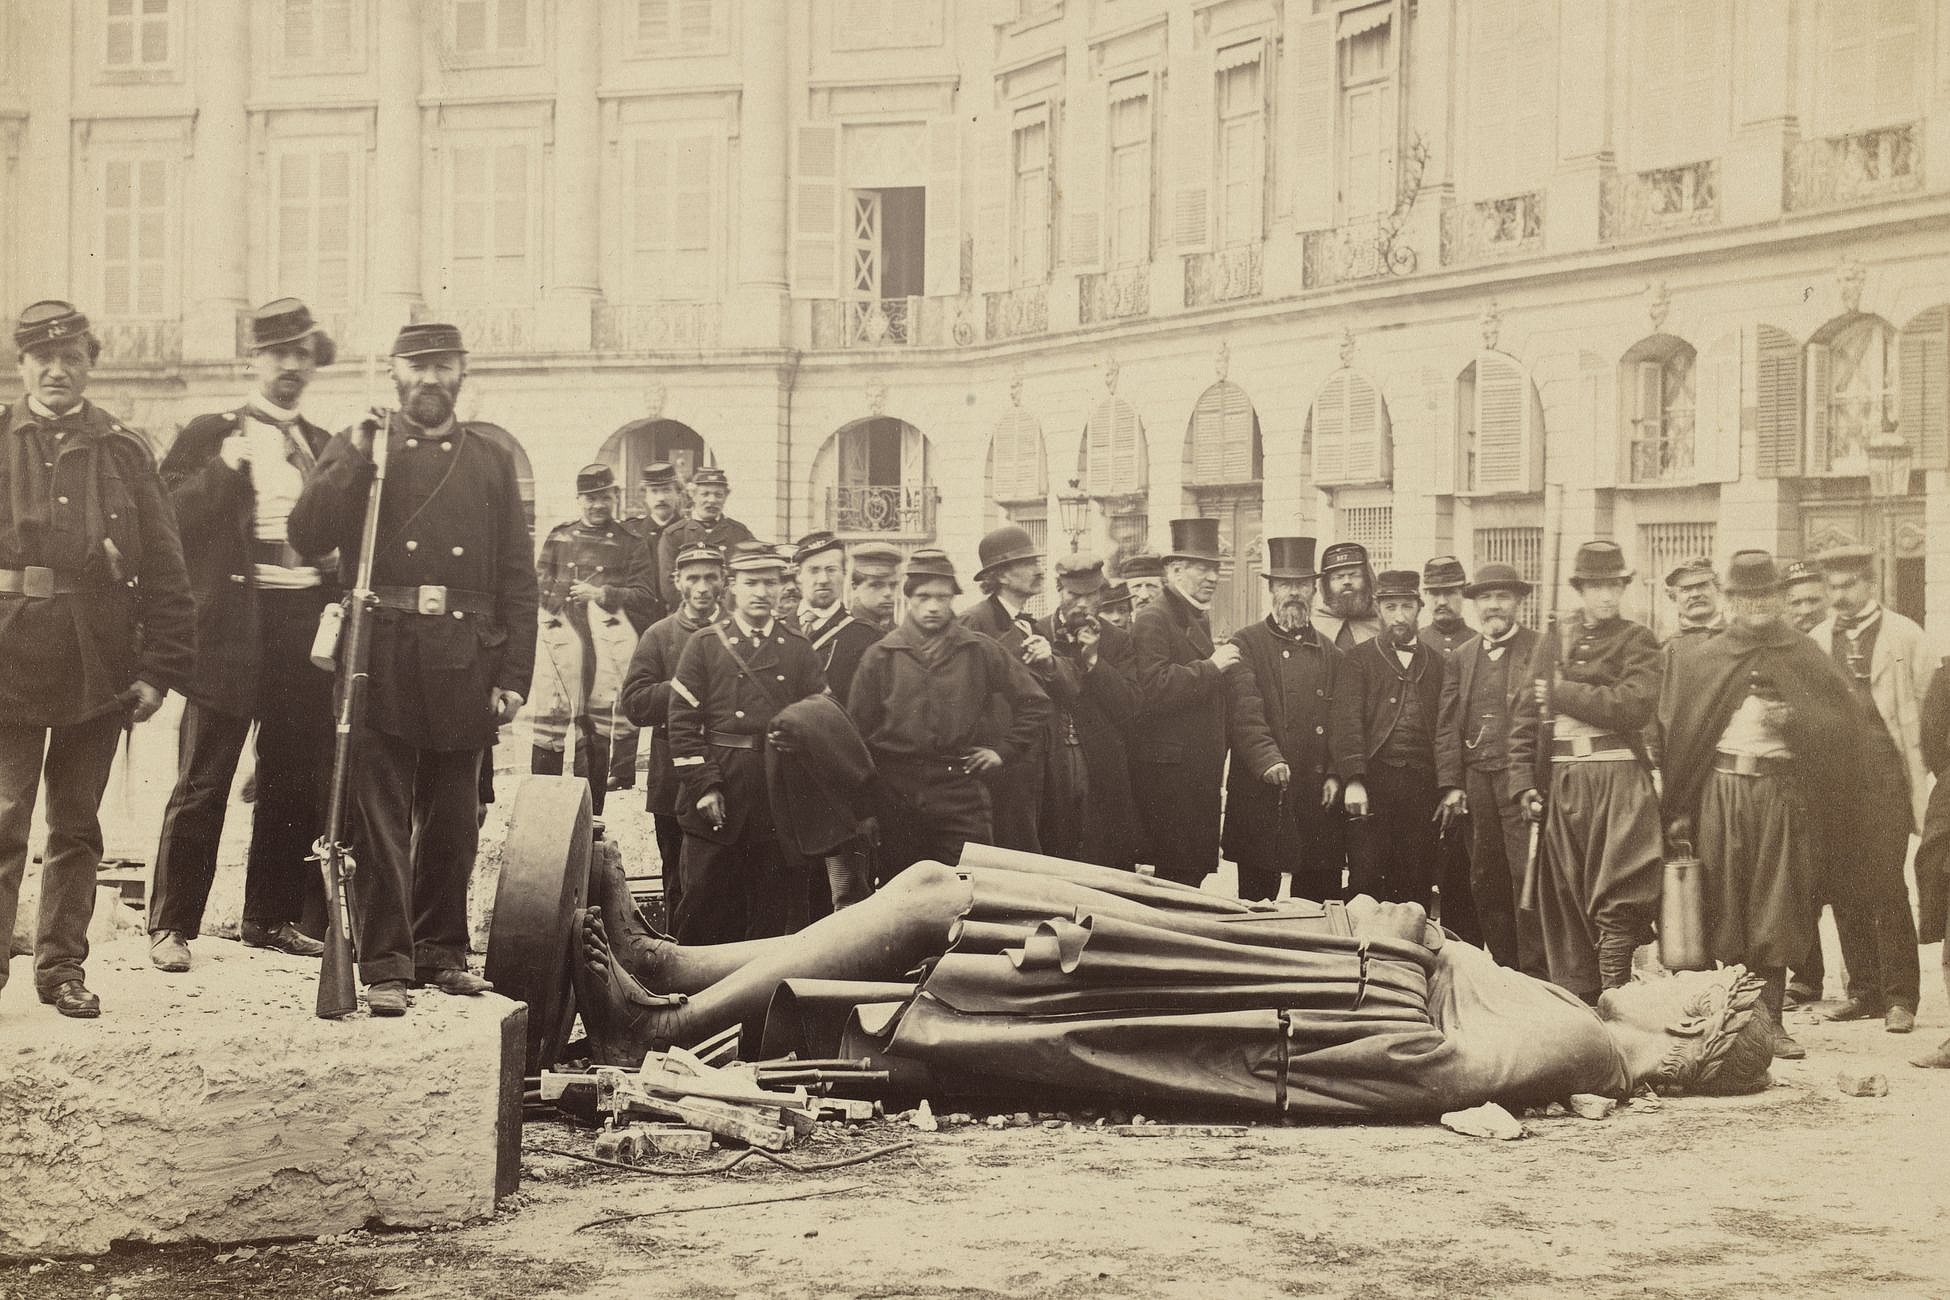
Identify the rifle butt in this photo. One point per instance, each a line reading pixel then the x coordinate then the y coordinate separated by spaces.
pixel 338 990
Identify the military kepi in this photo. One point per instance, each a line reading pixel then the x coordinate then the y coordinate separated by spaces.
pixel 49 321
pixel 814 543
pixel 1290 557
pixel 286 320
pixel 1444 572
pixel 1399 584
pixel 1195 539
pixel 700 553
pixel 747 557
pixel 594 478
pixel 1344 555
pixel 659 473
pixel 426 338
pixel 710 476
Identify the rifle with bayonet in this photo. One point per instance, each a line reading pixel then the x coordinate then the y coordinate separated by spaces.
pixel 1544 684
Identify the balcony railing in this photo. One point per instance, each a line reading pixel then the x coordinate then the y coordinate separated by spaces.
pixel 1477 232
pixel 1121 294
pixel 1227 275
pixel 140 342
pixel 1658 201
pixel 654 326
pixel 487 329
pixel 1853 168
pixel 1361 250
pixel 1018 312
pixel 879 510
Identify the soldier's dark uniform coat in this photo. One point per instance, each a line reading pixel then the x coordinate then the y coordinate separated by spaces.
pixel 679 533
pixel 613 558
pixel 838 640
pixel 1178 749
pixel 1279 713
pixel 646 699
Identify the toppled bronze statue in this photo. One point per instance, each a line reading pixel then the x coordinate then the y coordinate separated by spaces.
pixel 1017 974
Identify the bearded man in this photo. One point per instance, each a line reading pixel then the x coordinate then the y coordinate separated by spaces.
pixel 1346 614
pixel 451 658
pixel 1756 721
pixel 707 523
pixel 1280 794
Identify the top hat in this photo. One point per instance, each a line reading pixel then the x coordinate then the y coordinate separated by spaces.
pixel 1690 569
pixel 1117 595
pixel 594 478
pixel 748 557
pixel 659 473
pixel 1799 571
pixel 286 320
pixel 1496 577
pixel 426 338
pixel 1082 573
pixel 932 562
pixel 875 558
pixel 1141 565
pixel 1195 539
pixel 1343 555
pixel 1846 559
pixel 1397 582
pixel 1005 546
pixel 1752 573
pixel 710 476
pixel 1443 572
pixel 699 553
pixel 49 321
pixel 1290 557
pixel 813 543
pixel 1600 561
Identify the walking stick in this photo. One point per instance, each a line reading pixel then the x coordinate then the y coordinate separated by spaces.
pixel 1546 720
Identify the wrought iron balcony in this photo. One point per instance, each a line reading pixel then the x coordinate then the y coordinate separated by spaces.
pixel 1114 295
pixel 1361 250
pixel 1853 168
pixel 1639 204
pixel 882 510
pixel 1018 312
pixel 1228 275
pixel 655 326
pixel 1663 454
pixel 1479 232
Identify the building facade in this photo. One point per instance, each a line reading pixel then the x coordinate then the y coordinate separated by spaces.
pixel 1400 271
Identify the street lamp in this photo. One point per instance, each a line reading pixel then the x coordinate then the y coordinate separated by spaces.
pixel 1074 504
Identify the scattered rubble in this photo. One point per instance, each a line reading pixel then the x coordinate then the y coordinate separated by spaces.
pixel 1591 1106
pixel 1486 1121
pixel 1862 1085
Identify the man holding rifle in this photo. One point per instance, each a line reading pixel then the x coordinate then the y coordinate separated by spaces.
pixel 452 577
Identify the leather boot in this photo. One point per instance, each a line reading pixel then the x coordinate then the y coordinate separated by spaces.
pixel 623 1019
pixel 849 876
pixel 641 950
pixel 1615 960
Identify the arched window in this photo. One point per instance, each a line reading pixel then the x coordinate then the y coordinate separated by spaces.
pixel 1500 439
pixel 1852 389
pixel 1018 466
pixel 871 479
pixel 1353 441
pixel 1658 402
pixel 1222 445
pixel 643 442
pixel 1113 466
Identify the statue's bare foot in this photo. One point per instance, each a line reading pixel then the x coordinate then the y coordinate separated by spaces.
pixel 622 1019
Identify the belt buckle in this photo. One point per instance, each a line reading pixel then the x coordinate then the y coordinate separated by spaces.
pixel 37 581
pixel 1581 747
pixel 432 600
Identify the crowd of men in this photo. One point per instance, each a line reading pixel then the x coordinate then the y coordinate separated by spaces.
pixel 824 715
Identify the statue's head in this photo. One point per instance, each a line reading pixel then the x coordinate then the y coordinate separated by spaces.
pixel 1721 1036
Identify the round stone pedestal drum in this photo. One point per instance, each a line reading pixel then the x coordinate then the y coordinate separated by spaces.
pixel 544 886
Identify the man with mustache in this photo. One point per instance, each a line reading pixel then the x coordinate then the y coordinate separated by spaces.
pixel 1280 794
pixel 1178 750
pixel 233 477
pixel 1345 615
pixel 1011 576
pixel 1480 686
pixel 1694 590
pixel 1807 595
pixel 1144 574
pixel 707 523
pixel 453 651
pixel 96 624
pixel 1443 581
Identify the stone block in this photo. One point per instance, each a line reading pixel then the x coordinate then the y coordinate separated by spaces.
pixel 215 1106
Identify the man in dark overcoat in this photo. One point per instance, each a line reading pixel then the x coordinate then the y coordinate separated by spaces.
pixel 739 883
pixel 1010 576
pixel 838 638
pixel 1757 736
pixel 1280 794
pixel 1088 812
pixel 1346 614
pixel 1445 582
pixel 1589 778
pixel 707 522
pixel 96 625
pixel 1178 753
pixel 453 653
pixel 233 477
pixel 1480 686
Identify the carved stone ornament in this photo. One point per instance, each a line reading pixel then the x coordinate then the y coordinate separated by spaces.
pixel 1015 387
pixel 1849 279
pixel 877 396
pixel 1347 347
pixel 1658 303
pixel 654 398
pixel 1111 369
pixel 1491 322
pixel 1222 363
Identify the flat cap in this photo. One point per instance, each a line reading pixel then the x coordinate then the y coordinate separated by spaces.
pixel 1141 565
pixel 1690 569
pixel 1846 559
pixel 1800 571
pixel 877 558
pixel 1083 573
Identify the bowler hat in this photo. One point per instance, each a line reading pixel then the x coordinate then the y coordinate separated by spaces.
pixel 1443 572
pixel 425 338
pixel 1141 565
pixel 875 558
pixel 1800 571
pixel 49 321
pixel 1195 539
pixel 1344 555
pixel 1290 557
pixel 1117 595
pixel 1004 546
pixel 813 543
pixel 286 320
pixel 1496 577
pixel 594 478
pixel 752 556
pixel 1600 561
pixel 1082 574
pixel 700 553
pixel 1690 569
pixel 931 562
pixel 659 473
pixel 710 476
pixel 1752 573
pixel 1397 583
pixel 1846 559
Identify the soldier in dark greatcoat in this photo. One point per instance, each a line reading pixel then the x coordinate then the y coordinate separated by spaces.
pixel 233 477
pixel 739 882
pixel 452 654
pixel 96 625
pixel 1178 750
pixel 646 698
pixel 1281 793
pixel 1011 575
pixel 707 523
pixel 1088 812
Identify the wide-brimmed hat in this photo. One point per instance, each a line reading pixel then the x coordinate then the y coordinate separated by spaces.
pixel 1081 574
pixel 1752 573
pixel 1600 561
pixel 1195 539
pixel 932 562
pixel 1001 547
pixel 50 321
pixel 1442 573
pixel 747 557
pixel 1397 583
pixel 659 473
pixel 699 553
pixel 1496 577
pixel 875 559
pixel 1799 571
pixel 1846 559
pixel 1690 569
pixel 594 478
pixel 1344 555
pixel 815 542
pixel 425 338
pixel 1290 557
pixel 286 320
pixel 1141 565
pixel 710 476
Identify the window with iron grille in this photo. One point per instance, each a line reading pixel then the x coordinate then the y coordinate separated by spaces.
pixel 1661 546
pixel 1523 550
pixel 1373 527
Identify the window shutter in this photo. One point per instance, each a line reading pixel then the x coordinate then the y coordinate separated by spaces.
pixel 650 225
pixel 512 195
pixel 995 183
pixel 1196 136
pixel 693 215
pixel 1237 415
pixel 332 284
pixel 298 34
pixel 1366 454
pixel 914 468
pixel 1083 178
pixel 653 22
pixel 294 218
pixel 1655 84
pixel 1099 475
pixel 1716 418
pixel 1445 432
pixel 468 212
pixel 1924 384
pixel 1777 404
pixel 942 216
pixel 1819 379
pixel 1503 422
pixel 1648 396
pixel 1313 56
pixel 1016 458
pixel 1128 459
pixel 1331 432
pixel 816 210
